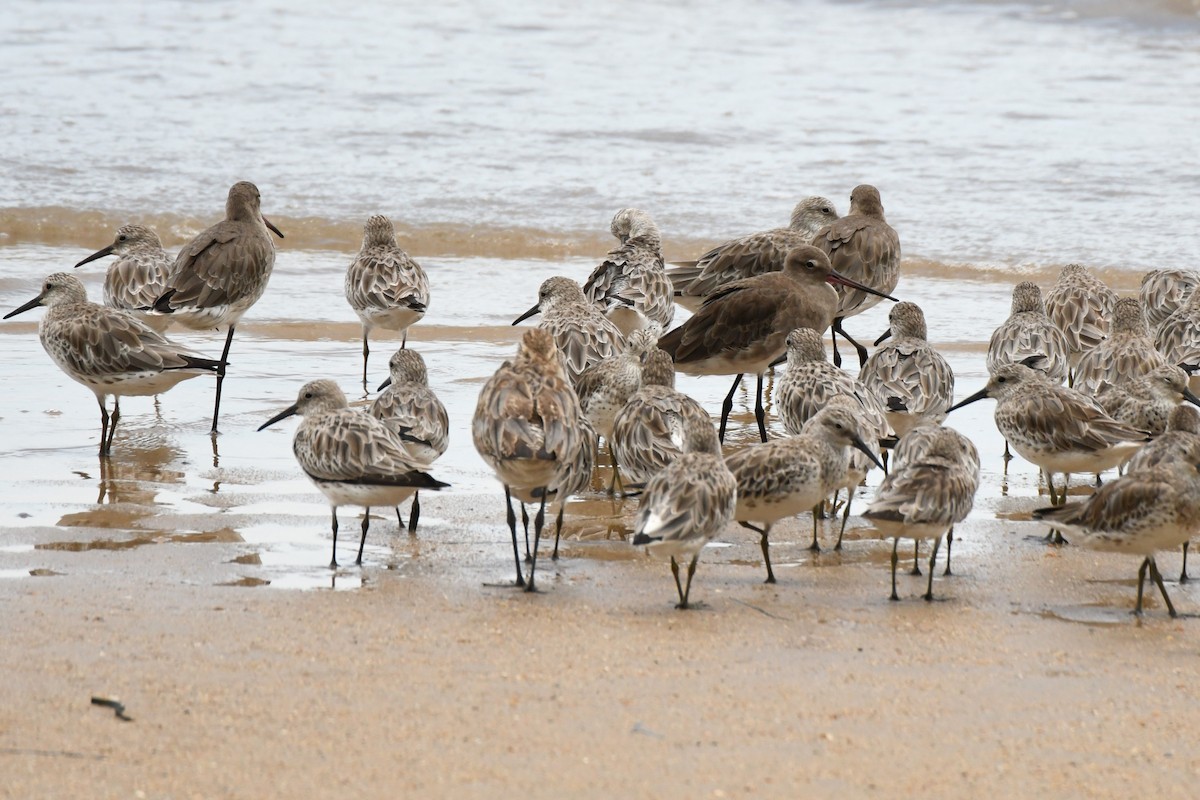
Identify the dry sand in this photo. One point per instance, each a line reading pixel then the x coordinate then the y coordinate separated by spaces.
pixel 1027 677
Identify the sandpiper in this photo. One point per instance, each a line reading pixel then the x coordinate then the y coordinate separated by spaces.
pixel 1163 291
pixel 138 276
pixel 1081 305
pixel 747 256
pixel 1028 332
pixel 221 273
pixel 1178 336
pixel 109 351
pixel 384 285
pixel 1146 402
pixel 911 379
pixel 631 283
pixel 1127 353
pixel 352 457
pixel 744 327
pixel 580 330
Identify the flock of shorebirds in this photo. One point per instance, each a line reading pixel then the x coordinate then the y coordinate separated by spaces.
pixel 1081 385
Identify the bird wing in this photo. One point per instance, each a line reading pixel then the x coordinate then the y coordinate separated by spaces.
pixel 219 266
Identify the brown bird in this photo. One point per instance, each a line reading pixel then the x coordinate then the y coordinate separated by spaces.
pixel 222 272
pixel 744 326
pixel 864 248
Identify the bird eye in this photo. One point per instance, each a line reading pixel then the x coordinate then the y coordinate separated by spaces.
pixel 826 210
pixel 48 286
pixel 1001 380
pixel 308 395
pixel 122 238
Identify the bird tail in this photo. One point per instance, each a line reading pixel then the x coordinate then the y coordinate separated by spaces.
pixel 163 304
pixel 642 538
pixel 192 362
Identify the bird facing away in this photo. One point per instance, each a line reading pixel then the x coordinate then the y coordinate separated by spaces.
pixel 1081 306
pixel 1141 512
pixel 1163 291
pixel 908 376
pixel 793 475
pixel 222 272
pixel 631 285
pixel 384 286
pixel 1055 427
pixel 526 425
pixel 747 256
pixel 1178 337
pixel 926 495
pixel 1028 332
pixel 1146 402
pixel 109 351
pixel 352 457
pixel 581 331
pixel 862 247
pixel 743 328
pixel 138 276
pixel 691 500
pixel 414 414
pixel 1127 353
pixel 648 432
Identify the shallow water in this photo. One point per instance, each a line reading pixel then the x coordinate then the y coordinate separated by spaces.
pixel 1006 139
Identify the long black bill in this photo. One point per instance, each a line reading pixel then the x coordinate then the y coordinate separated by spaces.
pixel 271 227
pixel 838 278
pixel 287 412
pixel 1191 398
pixel 883 337
pixel 385 384
pixel 859 444
pixel 107 251
pixel 34 303
pixel 982 394
pixel 527 314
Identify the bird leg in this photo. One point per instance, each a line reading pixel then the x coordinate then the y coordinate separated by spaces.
pixel 895 561
pixel 221 377
pixel 916 570
pixel 845 516
pixel 727 406
pixel 558 531
pixel 333 559
pixel 366 523
pixel 763 534
pixel 949 544
pixel 1137 609
pixel 932 561
pixel 838 329
pixel 112 424
pixel 1183 576
pixel 538 522
pixel 816 545
pixel 678 585
pixel 1154 573
pixel 525 522
pixel 414 513
pixel 103 427
pixel 512 526
pixel 366 354
pixel 687 590
pixel 760 413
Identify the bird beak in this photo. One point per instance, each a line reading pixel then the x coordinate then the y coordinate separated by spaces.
pixel 838 278
pixel 884 336
pixel 271 226
pixel 859 444
pixel 1191 398
pixel 107 251
pixel 34 303
pixel 527 314
pixel 980 395
pixel 287 412
pixel 385 384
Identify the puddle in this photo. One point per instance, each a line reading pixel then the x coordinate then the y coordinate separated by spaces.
pixel 225 535
pixel 1093 614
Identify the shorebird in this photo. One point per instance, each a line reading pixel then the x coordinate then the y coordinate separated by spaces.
pixel 1146 402
pixel 747 256
pixel 1081 305
pixel 811 383
pixel 138 277
pixel 526 425
pixel 924 497
pixel 582 333
pixel 1178 336
pixel 631 284
pixel 1127 353
pixel 864 248
pixel 1029 332
pixel 911 379
pixel 414 414
pixel 743 328
pixel 352 457
pixel 686 504
pixel 1141 513
pixel 108 350
pixel 648 432
pixel 785 477
pixel 1180 442
pixel 1057 428
pixel 384 286
pixel 222 272
pixel 1163 291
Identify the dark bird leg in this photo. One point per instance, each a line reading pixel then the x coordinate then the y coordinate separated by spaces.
pixel 949 544
pixel 333 558
pixel 687 589
pixel 1183 576
pixel 727 406
pixel 366 523
pixel 763 533
pixel 916 570
pixel 366 354
pixel 103 427
pixel 538 522
pixel 932 561
pixel 760 413
pixel 895 561
pixel 834 331
pixel 1137 609
pixel 862 351
pixel 816 545
pixel 1154 573
pixel 558 531
pixel 845 516
pixel 525 522
pixel 112 424
pixel 678 585
pixel 512 526
pixel 221 377
pixel 399 518
pixel 414 513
